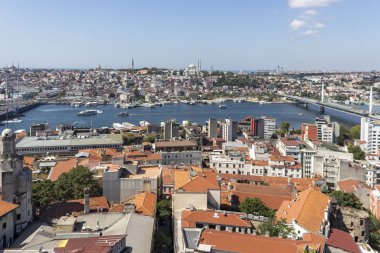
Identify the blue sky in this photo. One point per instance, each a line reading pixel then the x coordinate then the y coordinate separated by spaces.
pixel 228 34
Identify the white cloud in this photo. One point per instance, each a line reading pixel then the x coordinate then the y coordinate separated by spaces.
pixel 310 3
pixel 310 12
pixel 311 32
pixel 319 25
pixel 297 24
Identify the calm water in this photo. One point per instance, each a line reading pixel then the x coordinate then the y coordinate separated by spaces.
pixel 58 114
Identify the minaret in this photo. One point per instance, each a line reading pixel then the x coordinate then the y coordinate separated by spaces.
pixel 133 64
pixel 323 93
pixel 370 109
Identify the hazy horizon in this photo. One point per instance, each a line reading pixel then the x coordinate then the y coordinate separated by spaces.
pixel 298 35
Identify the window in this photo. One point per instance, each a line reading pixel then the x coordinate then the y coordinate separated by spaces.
pixel 361 222
pixel 4 225
pixel 18 216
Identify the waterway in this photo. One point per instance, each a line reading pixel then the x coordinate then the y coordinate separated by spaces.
pixel 199 113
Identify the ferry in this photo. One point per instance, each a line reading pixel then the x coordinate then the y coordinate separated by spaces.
pixel 222 107
pixel 15 120
pixel 122 114
pixel 88 112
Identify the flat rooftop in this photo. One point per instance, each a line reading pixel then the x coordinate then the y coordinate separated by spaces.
pixel 29 142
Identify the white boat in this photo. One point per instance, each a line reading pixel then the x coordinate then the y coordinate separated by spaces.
pixel 300 114
pixel 15 120
pixel 88 112
pixel 148 105
pixel 262 102
pixel 222 107
pixel 144 123
pixel 76 104
pixel 89 104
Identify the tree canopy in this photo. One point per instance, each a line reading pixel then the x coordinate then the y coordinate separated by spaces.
pixel 68 186
pixel 275 227
pixel 357 151
pixel 164 208
pixel 255 206
pixel 346 199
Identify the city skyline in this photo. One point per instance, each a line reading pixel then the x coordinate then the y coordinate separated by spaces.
pixel 239 35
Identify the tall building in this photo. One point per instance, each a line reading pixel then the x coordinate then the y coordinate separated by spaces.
pixel 229 130
pixel 15 181
pixel 171 130
pixel 212 128
pixel 327 131
pixel 370 133
pixel 263 127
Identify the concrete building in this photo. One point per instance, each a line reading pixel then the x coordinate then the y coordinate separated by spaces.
pixel 179 152
pixel 16 181
pixel 334 169
pixel 289 147
pixel 212 128
pixel 354 221
pixel 171 130
pixel 7 230
pixel 229 130
pixel 67 145
pixel 119 184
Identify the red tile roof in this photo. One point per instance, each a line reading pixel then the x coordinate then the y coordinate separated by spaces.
pixel 351 184
pixel 6 207
pixel 62 167
pixel 342 240
pixel 248 243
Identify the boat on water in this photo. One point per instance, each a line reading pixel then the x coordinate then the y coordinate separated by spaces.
pixel 300 114
pixel 15 120
pixel 89 104
pixel 144 123
pixel 122 114
pixel 262 102
pixel 148 105
pixel 76 104
pixel 117 105
pixel 222 107
pixel 88 112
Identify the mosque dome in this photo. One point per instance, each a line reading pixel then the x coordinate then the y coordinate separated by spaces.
pixel 7 133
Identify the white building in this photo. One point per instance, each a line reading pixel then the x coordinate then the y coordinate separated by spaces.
pixel 227 130
pixel 269 127
pixel 370 133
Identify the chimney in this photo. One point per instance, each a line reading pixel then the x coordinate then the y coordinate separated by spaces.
pixel 86 200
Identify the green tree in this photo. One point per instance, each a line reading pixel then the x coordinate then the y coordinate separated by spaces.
pixel 255 206
pixel 42 193
pixel 162 242
pixel 285 126
pixel 275 227
pixel 70 185
pixel 129 138
pixel 149 138
pixel 344 134
pixel 164 209
pixel 374 234
pixel 357 151
pixel 355 132
pixel 346 199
